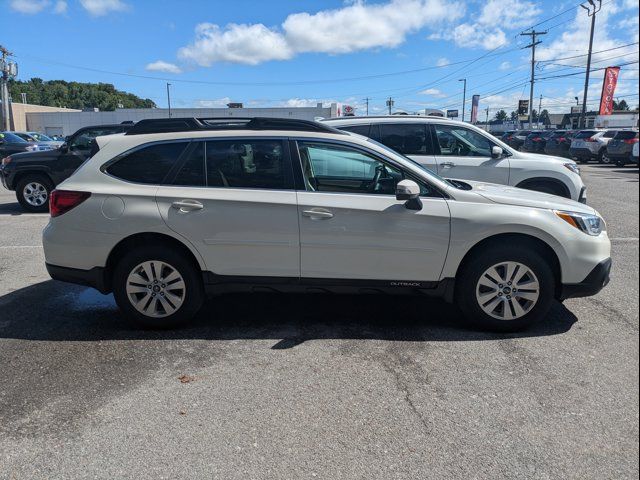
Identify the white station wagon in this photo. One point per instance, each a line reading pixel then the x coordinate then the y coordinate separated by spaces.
pixel 178 208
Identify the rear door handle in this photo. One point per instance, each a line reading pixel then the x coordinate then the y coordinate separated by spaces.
pixel 447 164
pixel 187 205
pixel 317 214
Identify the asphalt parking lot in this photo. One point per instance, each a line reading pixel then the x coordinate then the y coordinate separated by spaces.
pixel 291 387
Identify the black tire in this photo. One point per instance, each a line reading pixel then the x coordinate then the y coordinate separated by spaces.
pixel 471 273
pixel 620 163
pixel 193 293
pixel 32 203
pixel 545 187
pixel 583 160
pixel 604 159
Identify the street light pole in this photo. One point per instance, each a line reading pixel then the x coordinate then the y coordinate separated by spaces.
pixel 591 11
pixel 169 98
pixel 464 95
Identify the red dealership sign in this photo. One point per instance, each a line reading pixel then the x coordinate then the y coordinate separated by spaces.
pixel 608 89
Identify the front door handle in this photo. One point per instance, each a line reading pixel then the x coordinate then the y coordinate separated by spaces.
pixel 317 214
pixel 447 164
pixel 187 205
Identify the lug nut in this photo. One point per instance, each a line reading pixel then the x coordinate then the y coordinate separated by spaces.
pixel 508 297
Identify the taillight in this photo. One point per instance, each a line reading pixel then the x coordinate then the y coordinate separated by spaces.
pixel 590 139
pixel 561 139
pixel 537 139
pixel 61 201
pixel 631 141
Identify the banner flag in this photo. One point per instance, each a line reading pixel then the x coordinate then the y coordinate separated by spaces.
pixel 608 90
pixel 475 101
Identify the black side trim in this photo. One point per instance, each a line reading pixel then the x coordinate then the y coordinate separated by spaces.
pixel 218 284
pixel 595 281
pixel 583 198
pixel 91 278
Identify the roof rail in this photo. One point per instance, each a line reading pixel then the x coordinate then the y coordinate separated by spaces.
pixel 168 125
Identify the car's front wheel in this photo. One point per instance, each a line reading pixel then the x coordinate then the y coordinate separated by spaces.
pixel 33 191
pixel 505 289
pixel 157 287
pixel 605 159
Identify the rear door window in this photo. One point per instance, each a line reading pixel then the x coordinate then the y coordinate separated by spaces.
pixel 192 171
pixel 359 129
pixel 248 163
pixel 149 165
pixel 610 134
pixel 626 135
pixel 406 138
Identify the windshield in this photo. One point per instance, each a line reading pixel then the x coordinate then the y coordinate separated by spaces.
pixel 41 138
pixel 10 137
pixel 422 167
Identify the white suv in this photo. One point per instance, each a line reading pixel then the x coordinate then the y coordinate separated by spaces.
pixel 461 151
pixel 178 208
pixel 591 145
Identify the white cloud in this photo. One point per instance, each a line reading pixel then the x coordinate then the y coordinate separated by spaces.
pixel 433 92
pixel 98 8
pixel 354 27
pixel 162 66
pixel 488 31
pixel 248 44
pixel 442 62
pixel 215 103
pixel 505 66
pixel 61 7
pixel 29 7
pixel 510 13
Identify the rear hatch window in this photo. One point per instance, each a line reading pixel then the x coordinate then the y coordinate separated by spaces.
pixel 586 134
pixel 626 135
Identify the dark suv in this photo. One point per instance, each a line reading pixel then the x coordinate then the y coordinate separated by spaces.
pixel 620 147
pixel 34 175
pixel 559 142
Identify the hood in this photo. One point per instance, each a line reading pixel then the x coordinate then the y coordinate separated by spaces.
pixel 526 198
pixel 539 157
pixel 39 155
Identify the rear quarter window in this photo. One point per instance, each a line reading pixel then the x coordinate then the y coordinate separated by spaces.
pixel 148 165
pixel 359 129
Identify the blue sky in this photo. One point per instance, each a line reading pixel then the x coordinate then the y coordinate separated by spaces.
pixel 303 52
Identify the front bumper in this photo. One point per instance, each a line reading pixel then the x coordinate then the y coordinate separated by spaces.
pixel 594 283
pixel 4 178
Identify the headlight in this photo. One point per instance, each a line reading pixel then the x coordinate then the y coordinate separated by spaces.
pixel 590 224
pixel 573 167
pixel 6 161
pixel 32 148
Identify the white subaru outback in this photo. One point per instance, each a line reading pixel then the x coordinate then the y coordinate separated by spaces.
pixel 179 208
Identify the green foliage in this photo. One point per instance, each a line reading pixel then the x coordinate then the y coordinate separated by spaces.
pixel 58 93
pixel 501 115
pixel 622 105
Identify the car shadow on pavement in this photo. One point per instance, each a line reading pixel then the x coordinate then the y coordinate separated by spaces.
pixel 54 311
pixel 13 209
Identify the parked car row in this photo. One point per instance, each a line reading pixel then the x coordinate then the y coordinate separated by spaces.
pixel 176 209
pixel 605 146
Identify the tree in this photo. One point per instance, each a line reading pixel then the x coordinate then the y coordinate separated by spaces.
pixel 513 116
pixel 59 93
pixel 501 115
pixel 621 105
pixel 544 117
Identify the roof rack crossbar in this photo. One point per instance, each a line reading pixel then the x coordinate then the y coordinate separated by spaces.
pixel 169 125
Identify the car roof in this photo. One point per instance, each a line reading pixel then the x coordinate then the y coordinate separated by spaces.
pixel 389 119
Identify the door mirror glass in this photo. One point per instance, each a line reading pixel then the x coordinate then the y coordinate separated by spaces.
pixel 407 189
pixel 496 152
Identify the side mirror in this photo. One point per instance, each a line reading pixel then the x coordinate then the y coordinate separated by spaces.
pixel 409 191
pixel 496 152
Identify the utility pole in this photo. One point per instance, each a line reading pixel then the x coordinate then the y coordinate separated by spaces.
pixel 367 103
pixel 533 34
pixel 486 123
pixel 390 104
pixel 464 95
pixel 169 98
pixel 7 70
pixel 592 9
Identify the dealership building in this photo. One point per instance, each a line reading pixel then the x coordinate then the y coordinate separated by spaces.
pixel 67 122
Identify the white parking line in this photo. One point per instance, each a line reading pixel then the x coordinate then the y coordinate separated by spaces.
pixel 19 246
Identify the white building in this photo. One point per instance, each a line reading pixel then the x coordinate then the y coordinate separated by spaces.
pixel 66 123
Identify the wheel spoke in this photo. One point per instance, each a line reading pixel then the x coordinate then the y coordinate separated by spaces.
pixel 137 289
pixel 174 275
pixel 148 271
pixel 531 296
pixel 158 295
pixel 517 308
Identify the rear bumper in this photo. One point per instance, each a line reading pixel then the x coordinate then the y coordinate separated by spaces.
pixel 594 283
pixel 582 153
pixel 94 278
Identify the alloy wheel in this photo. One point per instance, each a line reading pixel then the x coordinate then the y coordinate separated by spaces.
pixel 156 289
pixel 508 291
pixel 35 194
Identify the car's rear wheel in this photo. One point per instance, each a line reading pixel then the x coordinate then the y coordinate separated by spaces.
pixel 620 163
pixel 505 289
pixel 605 158
pixel 33 191
pixel 157 287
